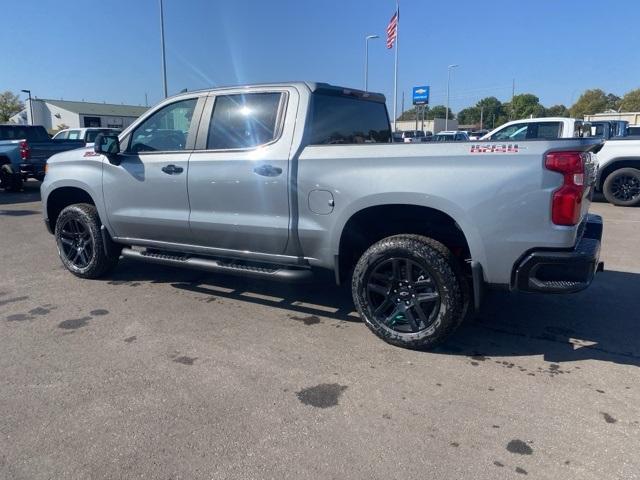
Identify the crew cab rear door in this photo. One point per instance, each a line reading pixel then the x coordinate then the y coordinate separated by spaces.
pixel 239 172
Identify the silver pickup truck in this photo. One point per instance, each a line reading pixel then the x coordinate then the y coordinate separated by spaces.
pixel 279 181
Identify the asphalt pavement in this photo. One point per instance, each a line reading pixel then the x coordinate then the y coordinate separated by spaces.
pixel 164 373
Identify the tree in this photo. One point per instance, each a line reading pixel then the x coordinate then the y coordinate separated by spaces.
pixel 10 104
pixel 439 111
pixel 408 115
pixel 493 112
pixel 469 116
pixel 590 102
pixel 613 102
pixel 526 105
pixel 557 111
pixel 631 101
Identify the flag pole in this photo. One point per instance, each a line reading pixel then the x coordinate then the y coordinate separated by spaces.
pixel 395 73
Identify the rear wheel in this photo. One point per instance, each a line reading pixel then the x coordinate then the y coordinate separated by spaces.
pixel 9 180
pixel 409 291
pixel 622 187
pixel 80 243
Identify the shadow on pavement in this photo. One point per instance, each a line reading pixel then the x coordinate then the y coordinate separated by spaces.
pixel 30 193
pixel 600 323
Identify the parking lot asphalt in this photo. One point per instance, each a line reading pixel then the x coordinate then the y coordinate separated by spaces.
pixel 162 373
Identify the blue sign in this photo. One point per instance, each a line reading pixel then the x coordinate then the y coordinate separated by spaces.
pixel 421 95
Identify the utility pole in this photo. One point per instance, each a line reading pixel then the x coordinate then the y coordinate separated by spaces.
pixel 446 113
pixel 481 116
pixel 28 92
pixel 513 94
pixel 164 63
pixel 366 60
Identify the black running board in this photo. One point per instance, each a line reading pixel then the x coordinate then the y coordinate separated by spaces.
pixel 220 266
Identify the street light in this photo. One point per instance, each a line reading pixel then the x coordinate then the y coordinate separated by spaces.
pixel 164 63
pixel 28 92
pixel 366 60
pixel 446 113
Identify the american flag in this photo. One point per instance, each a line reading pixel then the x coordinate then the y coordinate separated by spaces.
pixel 392 30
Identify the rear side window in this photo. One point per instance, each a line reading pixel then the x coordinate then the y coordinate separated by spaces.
pixel 61 136
pixel 244 120
pixel 74 135
pixel 548 130
pixel 512 132
pixel 346 120
pixel 31 134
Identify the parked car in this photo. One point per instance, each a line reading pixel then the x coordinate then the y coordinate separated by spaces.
pixel 534 128
pixel 633 130
pixel 24 150
pixel 477 134
pixel 450 136
pixel 87 134
pixel 413 136
pixel 279 181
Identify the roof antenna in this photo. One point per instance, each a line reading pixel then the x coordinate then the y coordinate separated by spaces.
pixel 184 90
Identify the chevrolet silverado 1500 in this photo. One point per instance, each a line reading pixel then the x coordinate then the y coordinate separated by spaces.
pixel 280 180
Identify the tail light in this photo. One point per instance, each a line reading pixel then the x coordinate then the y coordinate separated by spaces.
pixel 25 151
pixel 567 200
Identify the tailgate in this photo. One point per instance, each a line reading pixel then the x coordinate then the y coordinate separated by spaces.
pixel 41 151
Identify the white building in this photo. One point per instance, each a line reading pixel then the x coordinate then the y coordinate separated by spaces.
pixel 632 117
pixel 434 126
pixel 58 114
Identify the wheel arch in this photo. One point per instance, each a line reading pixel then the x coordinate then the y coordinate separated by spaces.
pixel 616 164
pixel 361 228
pixel 61 197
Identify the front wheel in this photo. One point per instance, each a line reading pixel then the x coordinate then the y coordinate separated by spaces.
pixel 409 291
pixel 622 187
pixel 80 243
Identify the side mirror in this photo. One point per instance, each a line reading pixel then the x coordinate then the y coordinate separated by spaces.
pixel 107 145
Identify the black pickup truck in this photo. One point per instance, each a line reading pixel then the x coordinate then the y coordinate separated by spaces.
pixel 24 150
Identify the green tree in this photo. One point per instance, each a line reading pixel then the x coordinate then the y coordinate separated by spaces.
pixel 468 116
pixel 526 105
pixel 590 102
pixel 613 101
pixel 493 112
pixel 10 104
pixel 631 101
pixel 439 111
pixel 557 111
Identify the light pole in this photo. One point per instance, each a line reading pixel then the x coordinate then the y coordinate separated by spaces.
pixel 446 113
pixel 28 92
pixel 366 60
pixel 164 63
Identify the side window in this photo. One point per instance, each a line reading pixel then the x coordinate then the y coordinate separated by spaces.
pixel 548 130
pixel 338 119
pixel 61 136
pixel 512 132
pixel 244 120
pixel 166 130
pixel 74 135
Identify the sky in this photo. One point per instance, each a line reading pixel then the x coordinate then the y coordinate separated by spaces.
pixel 110 51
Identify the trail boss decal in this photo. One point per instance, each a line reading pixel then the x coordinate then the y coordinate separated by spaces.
pixel 496 148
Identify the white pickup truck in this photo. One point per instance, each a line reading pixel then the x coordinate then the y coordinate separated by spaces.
pixel 618 158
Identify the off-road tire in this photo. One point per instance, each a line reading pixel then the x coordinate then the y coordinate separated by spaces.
pixel 9 180
pixel 609 187
pixel 100 263
pixel 442 266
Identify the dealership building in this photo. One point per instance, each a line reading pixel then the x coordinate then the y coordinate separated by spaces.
pixel 59 114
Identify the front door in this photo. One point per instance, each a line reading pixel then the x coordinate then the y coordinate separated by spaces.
pixel 239 173
pixel 146 193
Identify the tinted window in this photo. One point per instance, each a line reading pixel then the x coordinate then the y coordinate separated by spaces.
pixel 166 129
pixel 61 136
pixel 549 130
pixel 91 135
pixel 347 120
pixel 31 134
pixel 243 121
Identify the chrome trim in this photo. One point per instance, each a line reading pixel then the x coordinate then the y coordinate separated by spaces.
pixel 212 251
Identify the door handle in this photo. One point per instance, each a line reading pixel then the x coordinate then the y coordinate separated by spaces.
pixel 171 169
pixel 268 170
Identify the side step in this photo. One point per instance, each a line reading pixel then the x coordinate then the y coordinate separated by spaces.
pixel 220 266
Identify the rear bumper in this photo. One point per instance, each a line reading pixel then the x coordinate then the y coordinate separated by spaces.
pixel 562 271
pixel 32 169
